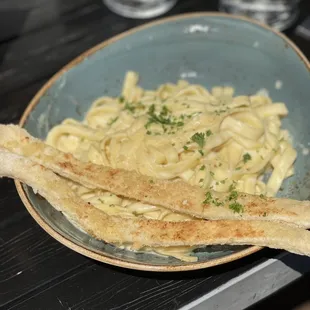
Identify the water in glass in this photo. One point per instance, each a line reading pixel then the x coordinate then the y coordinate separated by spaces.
pixel 140 8
pixel 279 14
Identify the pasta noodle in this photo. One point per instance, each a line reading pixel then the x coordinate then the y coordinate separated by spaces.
pixel 210 139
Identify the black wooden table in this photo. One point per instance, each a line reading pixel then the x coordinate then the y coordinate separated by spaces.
pixel 38 37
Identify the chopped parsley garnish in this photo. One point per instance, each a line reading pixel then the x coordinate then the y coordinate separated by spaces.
pixel 232 187
pixel 201 180
pixel 209 133
pixel 185 147
pixel 151 181
pixel 233 195
pixel 201 152
pixel 164 111
pixel 121 99
pixel 223 181
pixel 151 109
pixel 203 167
pixel 129 108
pixel 262 196
pixel 236 207
pixel 208 198
pixel 163 118
pixel 246 157
pixel 265 214
pixel 238 168
pixel 212 173
pixel 199 138
pixel 139 105
pixel 217 202
pixel 112 121
pixel 218 112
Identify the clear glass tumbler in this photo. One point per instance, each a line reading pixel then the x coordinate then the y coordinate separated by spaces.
pixel 279 14
pixel 140 8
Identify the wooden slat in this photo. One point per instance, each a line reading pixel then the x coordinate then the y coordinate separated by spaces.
pixel 29 257
pixel 41 53
pixel 99 287
pixel 21 17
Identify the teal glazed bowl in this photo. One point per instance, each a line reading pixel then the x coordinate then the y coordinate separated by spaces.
pixel 209 49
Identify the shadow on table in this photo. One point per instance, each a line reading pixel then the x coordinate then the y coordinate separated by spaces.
pixel 11 25
pixel 241 265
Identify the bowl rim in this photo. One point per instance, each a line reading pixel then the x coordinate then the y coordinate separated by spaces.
pixel 36 99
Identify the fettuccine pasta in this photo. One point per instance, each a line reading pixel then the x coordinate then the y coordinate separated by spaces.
pixel 181 131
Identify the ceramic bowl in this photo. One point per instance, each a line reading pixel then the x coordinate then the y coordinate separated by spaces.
pixel 209 49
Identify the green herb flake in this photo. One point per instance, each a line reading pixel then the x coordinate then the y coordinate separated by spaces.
pixel 265 214
pixel 246 157
pixel 185 148
pixel 238 168
pixel 223 181
pixel 236 207
pixel 199 138
pixel 151 109
pixel 112 121
pixel 129 108
pixel 164 118
pixel 233 195
pixel 217 202
pixel 209 133
pixel 201 152
pixel 151 181
pixel 232 187
pixel 201 180
pixel 203 167
pixel 121 99
pixel 262 196
pixel 140 105
pixel 164 111
pixel 212 173
pixel 208 198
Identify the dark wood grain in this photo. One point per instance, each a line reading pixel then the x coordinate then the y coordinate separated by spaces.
pixel 25 16
pixel 29 257
pixel 47 49
pixel 97 287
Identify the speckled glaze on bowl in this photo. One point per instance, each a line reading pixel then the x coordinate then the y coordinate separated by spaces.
pixel 209 49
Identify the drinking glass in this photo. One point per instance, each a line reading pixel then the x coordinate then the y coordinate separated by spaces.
pixel 279 14
pixel 140 8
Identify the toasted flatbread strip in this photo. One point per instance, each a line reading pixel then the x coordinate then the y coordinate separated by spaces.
pixel 176 196
pixel 153 233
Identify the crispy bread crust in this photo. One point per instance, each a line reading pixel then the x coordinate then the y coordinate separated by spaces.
pixel 153 233
pixel 176 196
